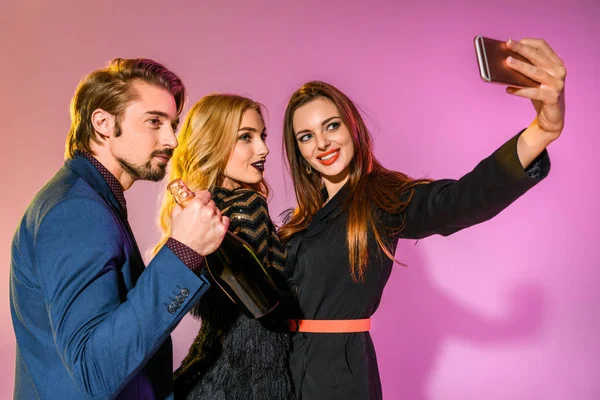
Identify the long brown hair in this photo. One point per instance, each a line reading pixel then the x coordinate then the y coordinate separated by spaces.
pixel 370 184
pixel 110 89
pixel 207 137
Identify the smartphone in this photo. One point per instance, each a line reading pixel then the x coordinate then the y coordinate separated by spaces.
pixel 491 56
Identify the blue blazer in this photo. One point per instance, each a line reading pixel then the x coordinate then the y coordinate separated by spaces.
pixel 92 322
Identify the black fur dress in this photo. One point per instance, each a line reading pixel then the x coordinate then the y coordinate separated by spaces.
pixel 235 357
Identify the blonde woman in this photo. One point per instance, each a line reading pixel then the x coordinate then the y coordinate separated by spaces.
pixel 222 149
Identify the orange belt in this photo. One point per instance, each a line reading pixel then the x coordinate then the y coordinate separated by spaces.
pixel 330 325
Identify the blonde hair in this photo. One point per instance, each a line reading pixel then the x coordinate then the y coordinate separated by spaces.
pixel 207 137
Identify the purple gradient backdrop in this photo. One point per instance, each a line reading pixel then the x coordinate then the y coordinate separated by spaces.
pixel 505 310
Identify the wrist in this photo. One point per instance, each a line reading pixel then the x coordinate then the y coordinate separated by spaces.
pixel 535 138
pixel 190 257
pixel 530 145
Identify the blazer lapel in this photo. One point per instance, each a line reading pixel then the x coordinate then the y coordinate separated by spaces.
pixel 333 206
pixel 84 168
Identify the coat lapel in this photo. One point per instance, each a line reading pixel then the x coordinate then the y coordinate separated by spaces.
pixel 84 168
pixel 333 207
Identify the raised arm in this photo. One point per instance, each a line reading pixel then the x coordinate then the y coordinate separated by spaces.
pixel 447 206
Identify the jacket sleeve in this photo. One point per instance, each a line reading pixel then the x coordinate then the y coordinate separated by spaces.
pixel 104 333
pixel 447 206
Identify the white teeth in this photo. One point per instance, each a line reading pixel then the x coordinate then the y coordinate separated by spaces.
pixel 329 156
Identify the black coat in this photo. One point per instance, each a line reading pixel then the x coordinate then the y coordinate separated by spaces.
pixel 344 366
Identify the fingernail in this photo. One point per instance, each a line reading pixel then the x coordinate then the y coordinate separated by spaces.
pixel 509 41
pixel 509 60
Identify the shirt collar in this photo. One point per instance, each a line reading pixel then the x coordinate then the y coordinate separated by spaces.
pixel 113 182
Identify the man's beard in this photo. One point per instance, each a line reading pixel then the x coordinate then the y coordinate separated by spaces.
pixel 146 172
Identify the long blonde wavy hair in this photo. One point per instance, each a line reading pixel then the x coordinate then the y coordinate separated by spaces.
pixel 207 137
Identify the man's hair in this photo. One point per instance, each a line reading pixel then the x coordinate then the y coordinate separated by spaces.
pixel 111 89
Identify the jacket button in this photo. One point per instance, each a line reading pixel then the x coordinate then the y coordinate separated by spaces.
pixel 171 308
pixel 179 298
pixel 184 292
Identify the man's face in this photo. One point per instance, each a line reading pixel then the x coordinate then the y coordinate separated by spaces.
pixel 145 138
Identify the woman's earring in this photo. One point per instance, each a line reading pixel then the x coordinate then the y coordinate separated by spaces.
pixel 308 169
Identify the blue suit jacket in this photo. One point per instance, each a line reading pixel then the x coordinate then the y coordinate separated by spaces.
pixel 91 321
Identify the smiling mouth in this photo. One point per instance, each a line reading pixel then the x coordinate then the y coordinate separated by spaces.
pixel 329 157
pixel 259 165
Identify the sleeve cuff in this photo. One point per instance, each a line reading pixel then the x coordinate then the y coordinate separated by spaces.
pixel 540 167
pixel 187 255
pixel 507 156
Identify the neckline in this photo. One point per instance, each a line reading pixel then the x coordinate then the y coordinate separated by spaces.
pixel 330 206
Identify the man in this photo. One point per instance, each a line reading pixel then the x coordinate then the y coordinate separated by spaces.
pixel 91 321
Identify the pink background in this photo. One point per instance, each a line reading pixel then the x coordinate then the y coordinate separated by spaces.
pixel 505 310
